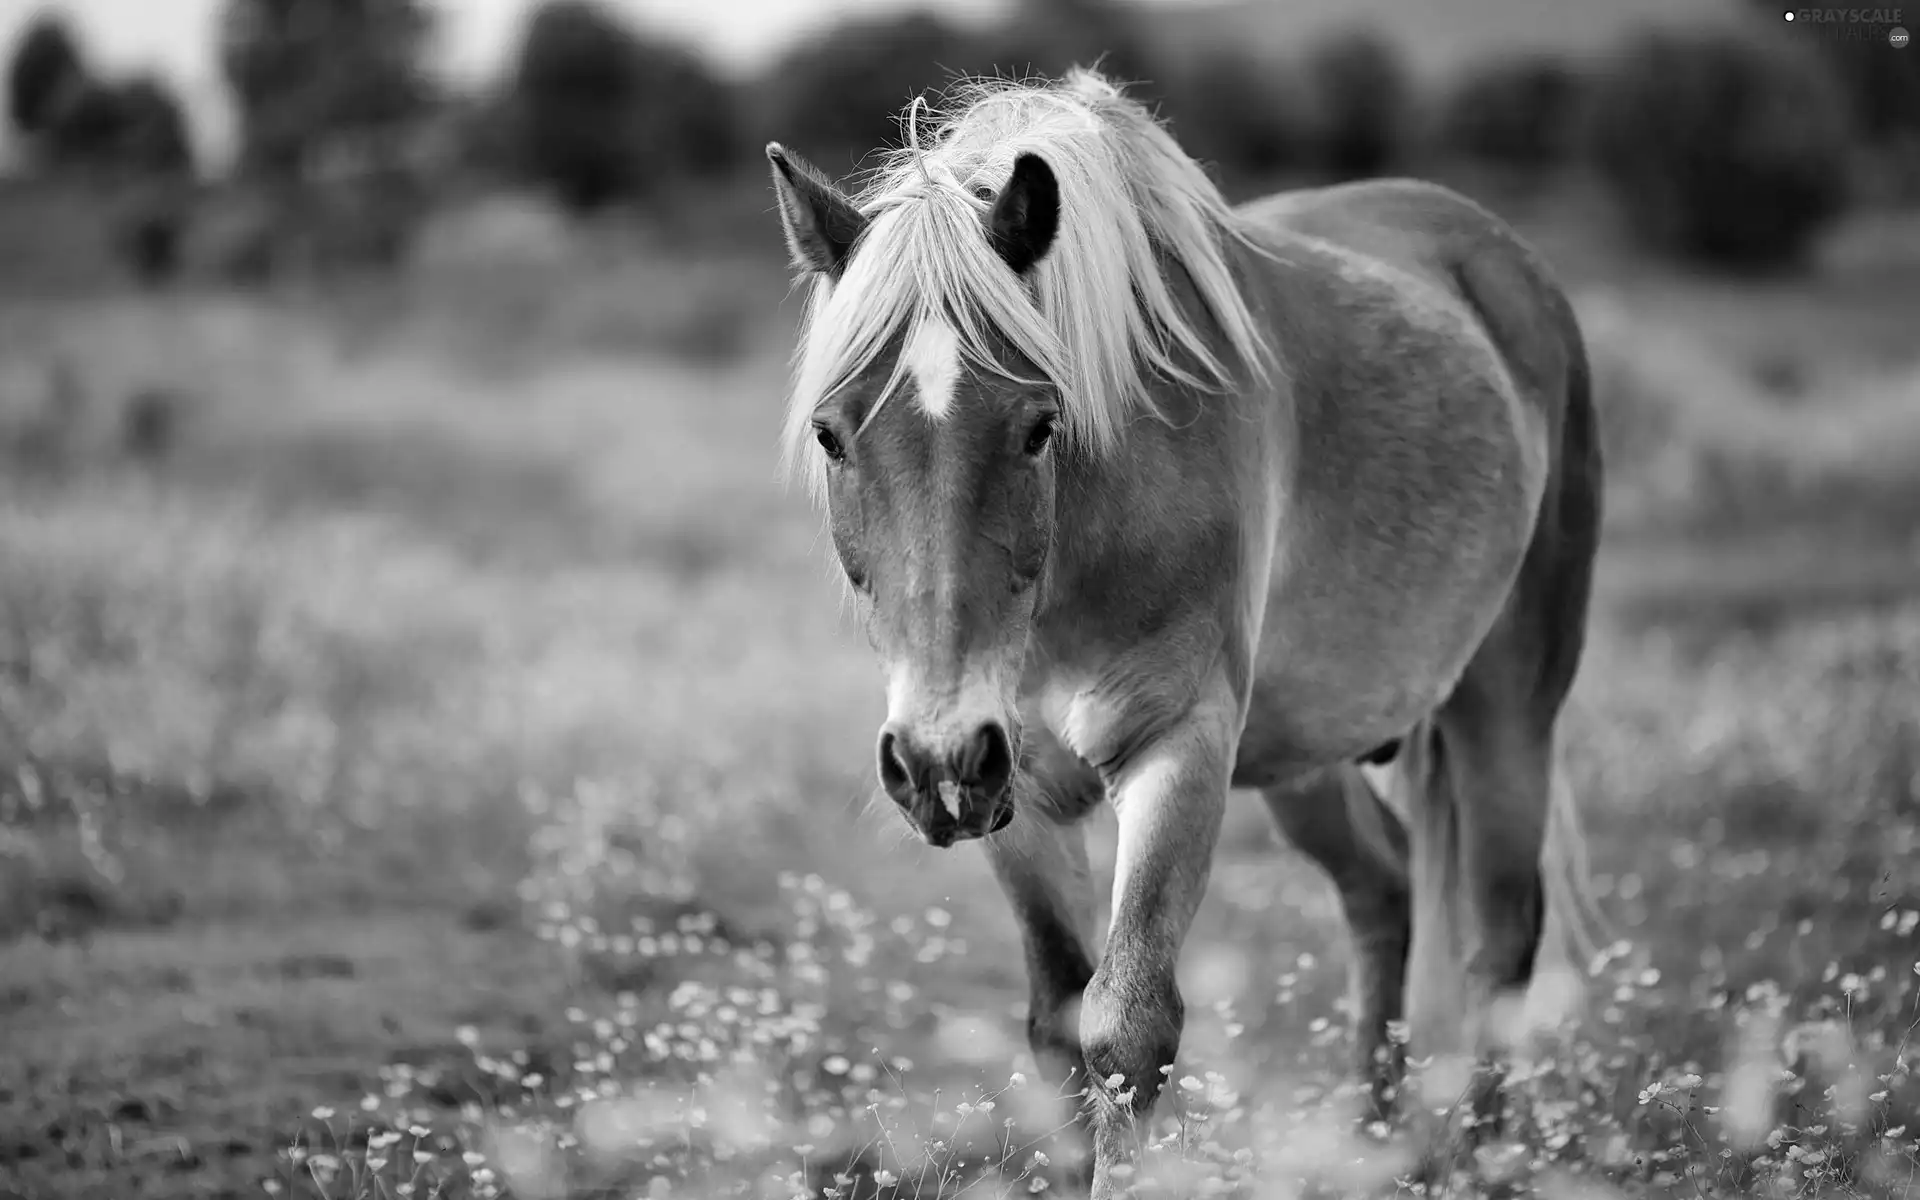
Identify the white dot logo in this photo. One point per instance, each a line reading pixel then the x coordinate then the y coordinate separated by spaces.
pixel 1897 37
pixel 1789 14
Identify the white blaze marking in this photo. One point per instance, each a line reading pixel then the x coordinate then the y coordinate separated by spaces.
pixel 950 797
pixel 933 360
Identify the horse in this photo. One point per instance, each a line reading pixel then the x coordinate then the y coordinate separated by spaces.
pixel 1144 497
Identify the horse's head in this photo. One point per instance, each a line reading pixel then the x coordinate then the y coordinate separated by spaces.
pixel 938 466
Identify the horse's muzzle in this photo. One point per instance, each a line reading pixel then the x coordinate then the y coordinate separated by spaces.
pixel 954 797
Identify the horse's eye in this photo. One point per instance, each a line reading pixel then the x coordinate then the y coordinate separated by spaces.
pixel 829 443
pixel 1041 435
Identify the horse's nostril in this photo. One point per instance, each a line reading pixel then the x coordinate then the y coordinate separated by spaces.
pixel 987 763
pixel 897 771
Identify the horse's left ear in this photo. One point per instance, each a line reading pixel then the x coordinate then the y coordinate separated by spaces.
pixel 1026 215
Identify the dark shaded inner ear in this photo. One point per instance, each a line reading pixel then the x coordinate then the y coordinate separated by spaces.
pixel 1026 216
pixel 821 223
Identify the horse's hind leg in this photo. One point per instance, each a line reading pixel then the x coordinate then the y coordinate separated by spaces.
pixel 1334 818
pixel 1040 861
pixel 1493 764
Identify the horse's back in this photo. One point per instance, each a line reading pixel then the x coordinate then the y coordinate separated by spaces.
pixel 1432 360
pixel 1451 242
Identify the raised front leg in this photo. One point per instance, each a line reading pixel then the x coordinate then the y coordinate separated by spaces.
pixel 1169 797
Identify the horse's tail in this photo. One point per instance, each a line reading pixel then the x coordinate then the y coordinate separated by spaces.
pixel 1444 1004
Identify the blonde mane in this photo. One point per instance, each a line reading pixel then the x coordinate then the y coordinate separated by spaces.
pixel 1128 193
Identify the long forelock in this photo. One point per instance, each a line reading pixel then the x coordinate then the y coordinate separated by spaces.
pixel 1128 196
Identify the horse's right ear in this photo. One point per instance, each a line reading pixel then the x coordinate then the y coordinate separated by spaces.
pixel 821 223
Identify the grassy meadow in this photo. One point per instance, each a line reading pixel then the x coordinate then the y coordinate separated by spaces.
pixel 436 762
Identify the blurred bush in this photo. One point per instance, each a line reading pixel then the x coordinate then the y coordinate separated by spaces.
pixel 122 139
pixel 1519 111
pixel 335 111
pixel 1883 89
pixel 837 96
pixel 1723 146
pixel 130 129
pixel 45 73
pixel 600 113
pixel 75 123
pixel 1048 36
pixel 1692 444
pixel 306 74
pixel 1361 94
pixel 1239 113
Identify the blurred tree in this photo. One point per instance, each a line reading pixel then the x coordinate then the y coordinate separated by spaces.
pixel 1724 146
pixel 601 113
pixel 131 138
pixel 1049 36
pixel 309 73
pixel 838 96
pixel 1360 90
pixel 45 73
pixel 1518 110
pixel 1239 113
pixel 1882 85
pixel 117 132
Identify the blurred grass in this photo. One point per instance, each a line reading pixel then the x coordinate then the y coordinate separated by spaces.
pixel 459 641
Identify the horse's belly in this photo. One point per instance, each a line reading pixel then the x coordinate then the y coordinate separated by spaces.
pixel 1354 655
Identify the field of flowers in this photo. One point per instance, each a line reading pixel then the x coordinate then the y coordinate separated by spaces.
pixel 437 764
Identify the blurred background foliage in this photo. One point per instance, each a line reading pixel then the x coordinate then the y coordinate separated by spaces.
pixel 1733 145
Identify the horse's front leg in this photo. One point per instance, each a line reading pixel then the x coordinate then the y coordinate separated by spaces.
pixel 1169 798
pixel 1040 861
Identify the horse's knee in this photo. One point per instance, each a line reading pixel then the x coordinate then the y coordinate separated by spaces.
pixel 1129 1032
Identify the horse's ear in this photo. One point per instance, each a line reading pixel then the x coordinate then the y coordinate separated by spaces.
pixel 820 221
pixel 1026 216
